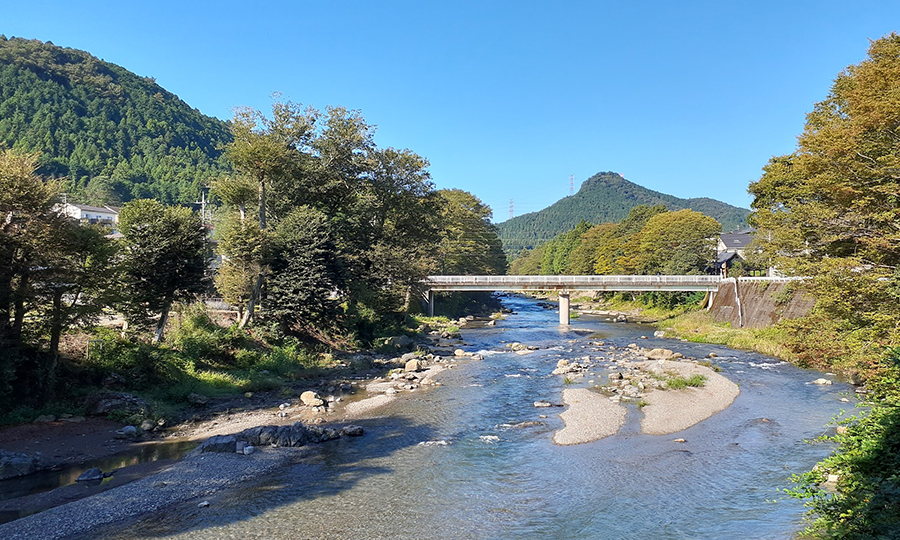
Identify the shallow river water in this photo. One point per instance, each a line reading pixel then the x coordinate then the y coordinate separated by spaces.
pixel 446 463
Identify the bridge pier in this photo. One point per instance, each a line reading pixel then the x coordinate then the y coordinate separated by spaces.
pixel 564 309
pixel 430 309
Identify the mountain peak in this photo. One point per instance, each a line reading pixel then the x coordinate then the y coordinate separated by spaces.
pixel 605 197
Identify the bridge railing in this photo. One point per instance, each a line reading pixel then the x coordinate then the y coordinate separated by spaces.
pixel 618 282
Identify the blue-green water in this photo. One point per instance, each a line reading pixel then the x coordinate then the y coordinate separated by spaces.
pixel 478 477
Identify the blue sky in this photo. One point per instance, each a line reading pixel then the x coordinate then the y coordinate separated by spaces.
pixel 505 99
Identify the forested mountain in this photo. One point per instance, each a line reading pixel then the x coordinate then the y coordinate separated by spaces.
pixel 605 197
pixel 115 136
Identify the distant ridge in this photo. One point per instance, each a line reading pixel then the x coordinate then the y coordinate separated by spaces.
pixel 605 197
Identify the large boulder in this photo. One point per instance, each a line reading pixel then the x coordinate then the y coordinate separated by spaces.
pixel 398 342
pixel 660 354
pixel 413 365
pixel 104 403
pixel 311 399
pixel 13 464
pixel 219 443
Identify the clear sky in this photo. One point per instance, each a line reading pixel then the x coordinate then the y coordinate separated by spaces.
pixel 505 99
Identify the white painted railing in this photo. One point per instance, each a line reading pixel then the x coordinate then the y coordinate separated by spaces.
pixel 622 282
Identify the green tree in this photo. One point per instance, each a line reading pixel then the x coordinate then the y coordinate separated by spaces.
pixel 268 151
pixel 830 212
pixel 165 259
pixel 682 242
pixel 27 223
pixel 306 275
pixel 469 241
pixel 77 279
pixel 555 258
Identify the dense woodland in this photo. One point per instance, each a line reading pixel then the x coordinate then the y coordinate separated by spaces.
pixel 110 135
pixel 605 197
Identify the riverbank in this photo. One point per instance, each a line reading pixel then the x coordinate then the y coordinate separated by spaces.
pixel 357 385
pixel 466 421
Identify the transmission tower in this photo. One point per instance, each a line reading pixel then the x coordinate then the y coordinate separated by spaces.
pixel 511 209
pixel 571 184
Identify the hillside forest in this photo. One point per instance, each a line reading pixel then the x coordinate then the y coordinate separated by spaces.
pixel 107 134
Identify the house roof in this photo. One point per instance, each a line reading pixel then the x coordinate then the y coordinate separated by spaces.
pixel 89 208
pixel 726 257
pixel 736 240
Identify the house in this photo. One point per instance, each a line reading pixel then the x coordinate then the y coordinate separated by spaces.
pixel 108 215
pixel 734 242
pixel 730 249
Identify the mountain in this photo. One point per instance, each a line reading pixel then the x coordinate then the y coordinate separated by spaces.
pixel 112 134
pixel 605 197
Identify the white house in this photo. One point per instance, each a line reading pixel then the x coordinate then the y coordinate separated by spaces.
pixel 92 214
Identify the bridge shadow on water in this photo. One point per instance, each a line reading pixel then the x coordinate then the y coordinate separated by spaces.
pixel 323 471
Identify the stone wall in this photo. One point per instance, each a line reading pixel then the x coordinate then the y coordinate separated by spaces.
pixel 757 303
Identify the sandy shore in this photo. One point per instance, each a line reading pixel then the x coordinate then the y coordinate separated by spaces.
pixel 670 411
pixel 590 416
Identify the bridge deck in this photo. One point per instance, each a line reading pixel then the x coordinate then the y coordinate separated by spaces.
pixel 572 283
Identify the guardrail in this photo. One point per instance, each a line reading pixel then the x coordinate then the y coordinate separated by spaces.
pixel 611 283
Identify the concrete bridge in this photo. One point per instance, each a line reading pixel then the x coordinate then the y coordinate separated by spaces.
pixel 565 284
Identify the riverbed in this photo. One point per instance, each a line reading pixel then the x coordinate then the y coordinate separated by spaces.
pixel 474 458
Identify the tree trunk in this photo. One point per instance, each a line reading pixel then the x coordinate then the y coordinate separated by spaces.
pixel 19 309
pixel 163 319
pixel 251 304
pixel 56 326
pixel 257 287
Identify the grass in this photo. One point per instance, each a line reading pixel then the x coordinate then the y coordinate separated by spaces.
pixel 700 327
pixel 679 383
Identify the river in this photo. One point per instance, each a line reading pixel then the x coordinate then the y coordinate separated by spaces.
pixel 446 462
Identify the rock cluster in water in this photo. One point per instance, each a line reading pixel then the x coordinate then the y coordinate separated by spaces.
pixel 294 435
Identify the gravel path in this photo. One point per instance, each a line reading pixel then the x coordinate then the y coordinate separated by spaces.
pixel 590 416
pixel 670 411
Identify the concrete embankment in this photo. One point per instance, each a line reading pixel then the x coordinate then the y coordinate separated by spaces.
pixel 759 303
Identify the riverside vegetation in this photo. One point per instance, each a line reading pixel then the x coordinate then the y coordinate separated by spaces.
pixel 322 236
pixel 830 213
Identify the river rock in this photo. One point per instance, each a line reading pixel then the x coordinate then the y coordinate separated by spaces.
pixel 459 352
pixel 115 402
pixel 413 366
pixel 219 443
pixel 45 418
pixel 90 475
pixel 660 354
pixel 353 431
pixel 822 382
pixel 542 403
pixel 398 342
pixel 659 334
pixel 311 399
pixel 197 399
pixel 127 432
pixel 13 464
pixel 114 380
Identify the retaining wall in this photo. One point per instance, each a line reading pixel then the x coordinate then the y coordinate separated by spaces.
pixel 754 303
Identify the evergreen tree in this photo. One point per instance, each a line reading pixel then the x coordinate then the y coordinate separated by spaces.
pixel 165 256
